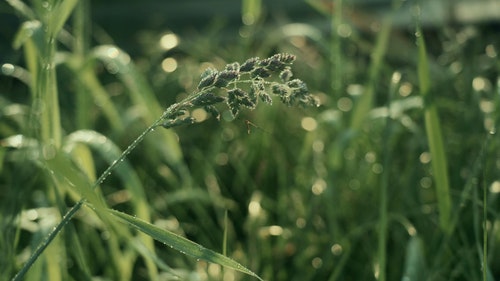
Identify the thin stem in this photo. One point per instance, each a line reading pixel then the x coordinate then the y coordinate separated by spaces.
pixel 485 230
pixel 336 49
pixel 67 217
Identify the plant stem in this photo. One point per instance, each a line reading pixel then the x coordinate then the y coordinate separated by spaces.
pixel 485 229
pixel 47 240
pixel 336 49
pixel 384 184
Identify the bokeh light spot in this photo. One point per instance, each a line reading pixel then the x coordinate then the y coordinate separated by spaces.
pixel 344 30
pixel 370 157
pixel 169 41
pixel 490 51
pixel 481 84
pixel 344 104
pixel 495 187
pixel 405 89
pixel 317 262
pixel 309 124
pixel 336 249
pixel 355 89
pixel 425 182
pixel 221 159
pixel 318 187
pixel 275 230
pixel 377 168
pixel 199 114
pixel 318 146
pixel 300 223
pixel 425 157
pixel 169 65
pixel 254 208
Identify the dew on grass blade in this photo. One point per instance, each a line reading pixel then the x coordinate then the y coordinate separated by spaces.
pixel 8 69
pixel 46 5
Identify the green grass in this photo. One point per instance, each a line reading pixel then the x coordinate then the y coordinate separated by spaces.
pixel 393 177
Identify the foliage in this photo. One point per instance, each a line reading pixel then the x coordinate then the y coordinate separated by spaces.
pixel 393 177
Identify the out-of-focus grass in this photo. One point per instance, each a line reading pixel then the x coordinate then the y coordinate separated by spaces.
pixel 313 194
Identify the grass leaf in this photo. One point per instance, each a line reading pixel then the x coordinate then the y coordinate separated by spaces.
pixel 63 11
pixel 181 244
pixel 22 9
pixel 435 139
pixel 29 30
pixel 414 268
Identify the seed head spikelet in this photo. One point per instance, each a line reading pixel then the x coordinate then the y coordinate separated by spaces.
pixel 242 86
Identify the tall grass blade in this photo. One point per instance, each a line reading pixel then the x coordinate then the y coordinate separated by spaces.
pixel 434 136
pixel 414 268
pixel 60 14
pixel 251 11
pixel 336 48
pixel 181 244
pixel 384 182
pixel 29 30
pixel 365 103
pixel 22 9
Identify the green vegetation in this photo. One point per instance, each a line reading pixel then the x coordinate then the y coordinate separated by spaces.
pixel 159 157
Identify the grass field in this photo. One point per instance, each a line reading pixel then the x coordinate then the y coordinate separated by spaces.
pixel 394 176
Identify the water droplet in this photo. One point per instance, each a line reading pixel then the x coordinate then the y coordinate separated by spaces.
pixel 112 52
pixel 49 151
pixel 38 106
pixel 112 68
pixel 46 5
pixel 8 69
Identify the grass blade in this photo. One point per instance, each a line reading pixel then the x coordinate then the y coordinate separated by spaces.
pixel 433 128
pixel 414 262
pixel 62 12
pixel 181 244
pixel 24 10
pixel 384 182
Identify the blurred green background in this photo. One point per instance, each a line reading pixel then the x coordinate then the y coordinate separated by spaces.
pixel 394 177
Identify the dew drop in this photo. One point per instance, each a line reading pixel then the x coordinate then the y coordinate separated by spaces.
pixel 8 69
pixel 46 5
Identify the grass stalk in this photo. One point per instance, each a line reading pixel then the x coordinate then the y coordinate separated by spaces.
pixel 439 163
pixel 336 48
pixel 364 104
pixel 81 30
pixel 484 264
pixel 46 95
pixel 384 183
